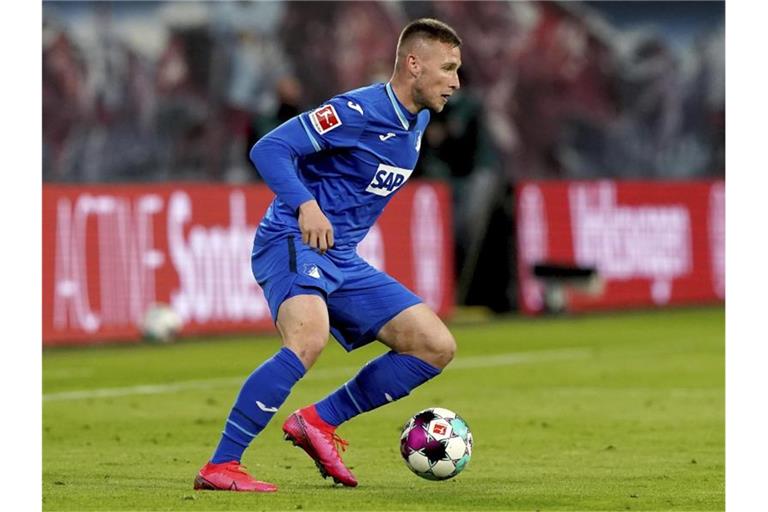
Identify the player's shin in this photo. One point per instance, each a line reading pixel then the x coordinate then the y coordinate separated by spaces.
pixel 262 394
pixel 383 380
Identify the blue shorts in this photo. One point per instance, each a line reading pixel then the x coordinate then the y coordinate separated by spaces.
pixel 360 298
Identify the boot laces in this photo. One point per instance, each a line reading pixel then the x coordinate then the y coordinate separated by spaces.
pixel 240 468
pixel 338 441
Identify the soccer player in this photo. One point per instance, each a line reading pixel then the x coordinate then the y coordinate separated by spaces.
pixel 333 170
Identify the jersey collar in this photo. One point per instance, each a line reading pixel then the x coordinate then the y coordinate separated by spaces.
pixel 396 105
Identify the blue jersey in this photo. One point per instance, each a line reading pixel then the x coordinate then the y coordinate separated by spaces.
pixel 351 154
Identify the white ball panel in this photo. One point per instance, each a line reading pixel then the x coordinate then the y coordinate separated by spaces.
pixel 444 413
pixel 455 448
pixel 443 468
pixel 418 462
pixel 405 431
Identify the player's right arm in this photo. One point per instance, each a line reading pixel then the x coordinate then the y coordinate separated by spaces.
pixel 275 156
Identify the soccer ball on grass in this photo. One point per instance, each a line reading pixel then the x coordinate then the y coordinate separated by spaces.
pixel 160 324
pixel 436 444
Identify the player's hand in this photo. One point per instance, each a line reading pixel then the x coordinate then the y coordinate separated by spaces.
pixel 316 229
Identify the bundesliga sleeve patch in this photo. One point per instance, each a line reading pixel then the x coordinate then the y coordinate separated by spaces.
pixel 325 119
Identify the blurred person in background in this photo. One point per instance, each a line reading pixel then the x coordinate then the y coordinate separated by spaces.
pixel 333 170
pixel 289 104
pixel 64 103
pixel 183 110
pixel 253 85
pixel 457 149
pixel 590 81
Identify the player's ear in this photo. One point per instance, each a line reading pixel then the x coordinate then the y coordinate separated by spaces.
pixel 413 64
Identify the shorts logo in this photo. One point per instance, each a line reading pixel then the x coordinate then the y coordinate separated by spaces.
pixel 388 179
pixel 311 270
pixel 325 119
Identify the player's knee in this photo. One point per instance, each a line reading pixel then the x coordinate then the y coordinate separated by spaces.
pixel 440 348
pixel 303 325
pixel 308 346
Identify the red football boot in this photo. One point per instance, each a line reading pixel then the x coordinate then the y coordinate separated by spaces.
pixel 306 429
pixel 229 476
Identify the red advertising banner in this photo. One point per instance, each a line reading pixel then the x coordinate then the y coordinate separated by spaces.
pixel 651 243
pixel 110 252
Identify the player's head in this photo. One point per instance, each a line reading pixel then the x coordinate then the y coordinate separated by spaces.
pixel 428 58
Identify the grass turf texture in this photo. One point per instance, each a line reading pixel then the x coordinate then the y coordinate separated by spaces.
pixel 619 412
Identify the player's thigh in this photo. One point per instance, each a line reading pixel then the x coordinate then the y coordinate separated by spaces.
pixel 367 300
pixel 418 331
pixel 302 321
pixel 286 267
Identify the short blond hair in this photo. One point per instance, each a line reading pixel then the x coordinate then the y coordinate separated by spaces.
pixel 428 28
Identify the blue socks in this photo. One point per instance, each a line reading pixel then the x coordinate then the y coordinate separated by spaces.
pixel 385 379
pixel 262 394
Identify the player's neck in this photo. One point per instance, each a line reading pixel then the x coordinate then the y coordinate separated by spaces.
pixel 403 93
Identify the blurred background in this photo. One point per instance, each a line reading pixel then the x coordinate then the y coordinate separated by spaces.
pixel 584 156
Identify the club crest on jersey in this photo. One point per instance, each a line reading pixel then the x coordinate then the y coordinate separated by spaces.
pixel 325 119
pixel 388 179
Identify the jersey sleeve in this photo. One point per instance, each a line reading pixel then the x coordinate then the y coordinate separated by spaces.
pixel 336 124
pixel 275 156
pixel 339 123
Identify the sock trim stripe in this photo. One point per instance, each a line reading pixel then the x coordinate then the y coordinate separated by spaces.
pixel 359 409
pixel 237 442
pixel 240 412
pixel 241 429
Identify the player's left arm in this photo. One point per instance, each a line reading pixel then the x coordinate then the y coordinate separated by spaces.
pixel 276 154
pixel 335 125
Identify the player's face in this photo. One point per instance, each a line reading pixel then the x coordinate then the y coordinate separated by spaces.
pixel 438 77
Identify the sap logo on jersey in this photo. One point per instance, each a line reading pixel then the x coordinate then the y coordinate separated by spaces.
pixel 388 179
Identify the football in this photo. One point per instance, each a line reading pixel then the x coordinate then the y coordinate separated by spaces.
pixel 436 444
pixel 160 324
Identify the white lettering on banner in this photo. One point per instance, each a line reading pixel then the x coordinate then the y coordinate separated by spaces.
pixel 428 246
pixel 628 242
pixel 128 245
pixel 532 242
pixel 213 265
pixel 717 237
pixel 371 248
pixel 127 261
pixel 70 300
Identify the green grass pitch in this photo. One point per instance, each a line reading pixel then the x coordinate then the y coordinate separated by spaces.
pixel 605 412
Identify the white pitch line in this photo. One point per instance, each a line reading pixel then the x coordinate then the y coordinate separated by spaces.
pixel 489 361
pixel 513 358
